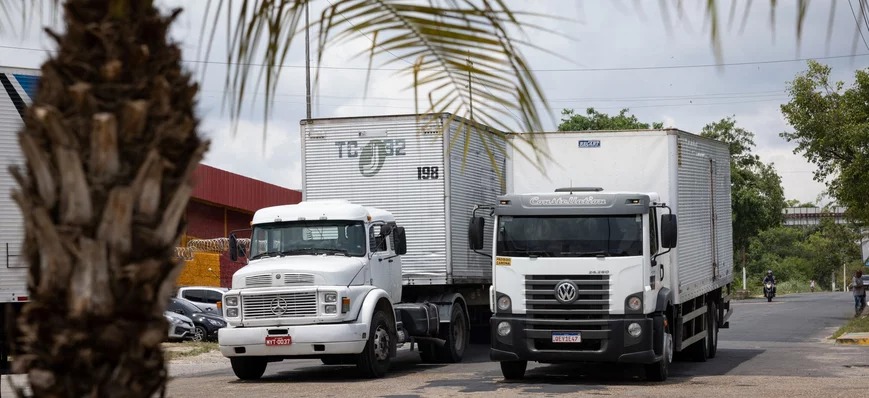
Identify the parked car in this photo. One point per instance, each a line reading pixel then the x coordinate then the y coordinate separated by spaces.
pixel 206 297
pixel 205 325
pixel 180 326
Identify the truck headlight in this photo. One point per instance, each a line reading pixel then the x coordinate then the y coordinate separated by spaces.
pixel 503 303
pixel 331 297
pixel 635 303
pixel 232 312
pixel 331 309
pixel 230 301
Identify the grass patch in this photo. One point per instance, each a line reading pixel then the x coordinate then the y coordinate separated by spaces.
pixel 856 325
pixel 187 349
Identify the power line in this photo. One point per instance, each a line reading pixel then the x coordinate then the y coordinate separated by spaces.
pixel 856 21
pixel 543 70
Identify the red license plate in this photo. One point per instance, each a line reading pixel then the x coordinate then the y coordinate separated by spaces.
pixel 279 340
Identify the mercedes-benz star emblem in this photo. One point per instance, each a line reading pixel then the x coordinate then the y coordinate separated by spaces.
pixel 566 292
pixel 279 306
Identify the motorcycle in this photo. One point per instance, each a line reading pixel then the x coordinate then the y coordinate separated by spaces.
pixel 769 291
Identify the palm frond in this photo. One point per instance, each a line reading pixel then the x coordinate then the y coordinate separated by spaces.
pixel 456 50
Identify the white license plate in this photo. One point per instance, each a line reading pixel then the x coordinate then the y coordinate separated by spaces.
pixel 572 337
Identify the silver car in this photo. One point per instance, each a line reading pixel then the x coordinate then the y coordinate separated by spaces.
pixel 204 297
pixel 180 326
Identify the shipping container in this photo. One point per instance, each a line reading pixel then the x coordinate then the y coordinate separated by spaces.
pixel 405 165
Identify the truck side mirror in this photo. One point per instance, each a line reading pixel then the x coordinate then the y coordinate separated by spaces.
pixel 400 241
pixel 476 232
pixel 669 232
pixel 233 247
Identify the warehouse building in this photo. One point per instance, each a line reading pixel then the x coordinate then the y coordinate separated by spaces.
pixel 220 203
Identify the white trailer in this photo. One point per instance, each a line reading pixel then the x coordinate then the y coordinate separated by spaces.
pixel 18 89
pixel 403 164
pixel 657 290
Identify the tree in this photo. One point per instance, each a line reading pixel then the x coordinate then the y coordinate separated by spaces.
pixel 831 129
pixel 797 203
pixel 111 140
pixel 594 120
pixel 757 196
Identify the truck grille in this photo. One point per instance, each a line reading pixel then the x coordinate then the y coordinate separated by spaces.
pixel 279 305
pixel 587 315
pixel 267 280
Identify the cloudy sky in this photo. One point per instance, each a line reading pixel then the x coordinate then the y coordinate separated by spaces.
pixel 620 55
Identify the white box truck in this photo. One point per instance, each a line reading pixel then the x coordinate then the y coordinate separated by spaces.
pixel 18 89
pixel 336 277
pixel 588 262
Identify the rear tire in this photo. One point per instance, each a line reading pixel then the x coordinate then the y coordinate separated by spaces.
pixel 456 335
pixel 712 330
pixel 660 370
pixel 513 370
pixel 248 368
pixel 374 360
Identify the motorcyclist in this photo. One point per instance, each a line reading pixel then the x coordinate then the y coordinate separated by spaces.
pixel 770 278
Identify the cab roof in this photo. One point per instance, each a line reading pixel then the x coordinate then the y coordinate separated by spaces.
pixel 331 209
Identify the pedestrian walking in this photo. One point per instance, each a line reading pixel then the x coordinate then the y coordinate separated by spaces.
pixel 859 290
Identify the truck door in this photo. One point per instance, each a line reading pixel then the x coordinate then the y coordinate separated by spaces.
pixel 656 272
pixel 382 260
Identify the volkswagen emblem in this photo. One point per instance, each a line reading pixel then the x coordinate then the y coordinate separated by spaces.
pixel 279 306
pixel 566 292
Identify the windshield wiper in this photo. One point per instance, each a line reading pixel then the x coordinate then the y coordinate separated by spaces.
pixel 313 250
pixel 599 253
pixel 266 254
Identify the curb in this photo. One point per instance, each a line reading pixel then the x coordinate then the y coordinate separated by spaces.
pixel 854 339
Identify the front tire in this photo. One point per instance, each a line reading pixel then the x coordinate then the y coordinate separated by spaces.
pixel 199 334
pixel 456 335
pixel 660 370
pixel 513 370
pixel 248 368
pixel 374 360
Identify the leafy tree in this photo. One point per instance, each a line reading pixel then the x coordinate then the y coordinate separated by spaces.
pixel 594 120
pixel 831 129
pixel 111 140
pixel 797 203
pixel 757 196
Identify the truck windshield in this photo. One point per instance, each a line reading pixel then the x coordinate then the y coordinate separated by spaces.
pixel 308 237
pixel 570 236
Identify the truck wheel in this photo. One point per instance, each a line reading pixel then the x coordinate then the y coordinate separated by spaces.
pixel 248 368
pixel 660 370
pixel 513 370
pixel 456 336
pixel 712 331
pixel 374 360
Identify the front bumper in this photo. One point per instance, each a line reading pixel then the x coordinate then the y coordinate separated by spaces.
pixel 603 340
pixel 307 340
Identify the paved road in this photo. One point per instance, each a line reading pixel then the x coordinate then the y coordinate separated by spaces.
pixel 772 349
pixel 784 341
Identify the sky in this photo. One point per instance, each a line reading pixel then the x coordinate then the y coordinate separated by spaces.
pixel 618 55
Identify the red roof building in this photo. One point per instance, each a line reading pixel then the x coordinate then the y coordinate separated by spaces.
pixel 224 202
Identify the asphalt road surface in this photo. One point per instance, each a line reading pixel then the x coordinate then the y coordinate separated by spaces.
pixel 771 349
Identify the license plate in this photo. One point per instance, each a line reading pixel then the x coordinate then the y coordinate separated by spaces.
pixel 278 340
pixel 566 338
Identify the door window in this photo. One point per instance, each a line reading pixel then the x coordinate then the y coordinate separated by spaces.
pixel 194 295
pixel 213 297
pixel 653 231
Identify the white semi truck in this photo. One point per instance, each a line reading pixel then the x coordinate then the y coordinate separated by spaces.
pixel 589 262
pixel 17 89
pixel 337 278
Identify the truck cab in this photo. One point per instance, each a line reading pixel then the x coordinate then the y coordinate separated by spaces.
pixel 320 282
pixel 579 276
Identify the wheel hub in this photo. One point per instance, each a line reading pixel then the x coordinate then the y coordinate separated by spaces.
pixel 197 335
pixel 381 344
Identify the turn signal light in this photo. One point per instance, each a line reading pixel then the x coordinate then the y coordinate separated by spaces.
pixel 345 305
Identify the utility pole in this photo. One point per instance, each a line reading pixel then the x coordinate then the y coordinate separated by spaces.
pixel 470 85
pixel 744 286
pixel 308 58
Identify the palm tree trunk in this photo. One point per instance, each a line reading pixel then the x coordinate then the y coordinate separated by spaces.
pixel 110 144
